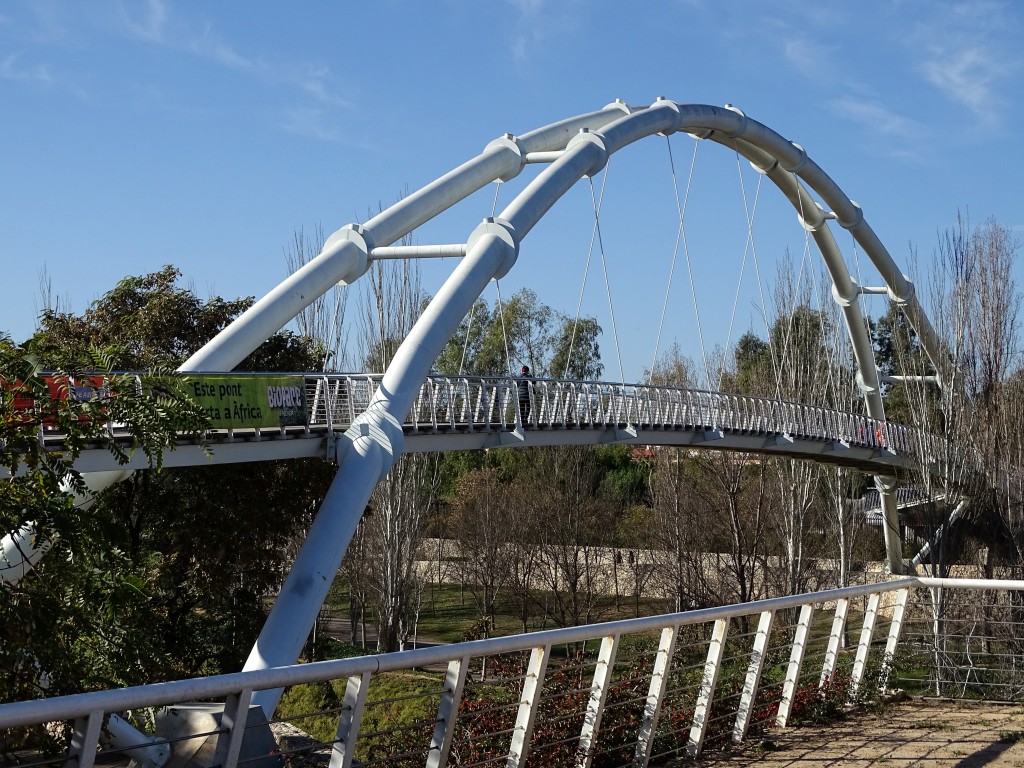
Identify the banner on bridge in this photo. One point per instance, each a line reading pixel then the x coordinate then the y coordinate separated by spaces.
pixel 238 401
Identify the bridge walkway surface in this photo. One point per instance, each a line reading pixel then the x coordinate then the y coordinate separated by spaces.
pixel 937 733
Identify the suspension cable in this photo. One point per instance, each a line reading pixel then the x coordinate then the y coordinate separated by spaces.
pixel 776 362
pixel 497 190
pixel 748 215
pixel 472 309
pixel 586 273
pixel 469 331
pixel 504 332
pixel 675 249
pixel 693 287
pixel 786 346
pixel 607 283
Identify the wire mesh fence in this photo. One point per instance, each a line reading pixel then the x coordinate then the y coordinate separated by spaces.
pixel 635 692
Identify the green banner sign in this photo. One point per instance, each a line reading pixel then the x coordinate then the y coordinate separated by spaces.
pixel 239 401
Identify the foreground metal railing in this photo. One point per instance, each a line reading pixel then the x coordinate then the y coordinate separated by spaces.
pixel 622 693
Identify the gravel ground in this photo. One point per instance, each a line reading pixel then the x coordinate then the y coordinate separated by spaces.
pixel 917 732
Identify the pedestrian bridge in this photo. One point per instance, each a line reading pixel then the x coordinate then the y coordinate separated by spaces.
pixel 630 693
pixel 469 413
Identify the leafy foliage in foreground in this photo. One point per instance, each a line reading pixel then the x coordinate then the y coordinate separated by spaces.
pixel 80 622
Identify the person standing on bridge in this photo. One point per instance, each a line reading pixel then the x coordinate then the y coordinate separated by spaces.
pixel 523 390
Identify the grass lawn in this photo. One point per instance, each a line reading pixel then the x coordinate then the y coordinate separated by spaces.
pixel 449 613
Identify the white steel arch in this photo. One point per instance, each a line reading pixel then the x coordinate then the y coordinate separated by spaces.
pixel 573 149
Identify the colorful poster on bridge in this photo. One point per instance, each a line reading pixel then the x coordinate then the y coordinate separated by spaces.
pixel 237 401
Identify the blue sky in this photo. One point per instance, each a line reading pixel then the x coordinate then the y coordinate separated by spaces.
pixel 138 134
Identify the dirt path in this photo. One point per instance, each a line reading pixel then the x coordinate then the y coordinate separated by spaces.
pixel 937 734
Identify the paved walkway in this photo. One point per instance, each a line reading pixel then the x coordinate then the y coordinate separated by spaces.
pixel 936 734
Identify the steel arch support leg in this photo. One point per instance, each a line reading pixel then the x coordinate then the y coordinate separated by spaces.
pixel 375 442
pixel 891 524
pixel 284 634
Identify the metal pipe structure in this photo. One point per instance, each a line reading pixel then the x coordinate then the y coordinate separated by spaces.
pixel 897 615
pixel 575 148
pixel 376 441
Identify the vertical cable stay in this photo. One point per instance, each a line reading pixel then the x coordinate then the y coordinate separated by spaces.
pixel 831 387
pixel 497 190
pixel 607 283
pixel 824 294
pixel 832 351
pixel 786 344
pixel 681 209
pixel 780 364
pixel 764 314
pixel 586 272
pixel 504 331
pixel 469 331
pixel 748 247
pixel 472 309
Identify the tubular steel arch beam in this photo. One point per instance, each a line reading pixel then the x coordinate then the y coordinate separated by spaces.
pixel 575 148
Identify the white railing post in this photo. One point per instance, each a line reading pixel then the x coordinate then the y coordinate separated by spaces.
pixel 796 660
pixel 835 638
pixel 84 739
pixel 754 670
pixel 864 645
pixel 655 696
pixel 344 748
pixel 519 749
pixel 598 696
pixel 702 712
pixel 318 394
pixel 895 628
pixel 232 726
pixel 351 399
pixel 447 712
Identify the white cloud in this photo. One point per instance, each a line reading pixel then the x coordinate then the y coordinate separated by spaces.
pixel 967 75
pixel 150 25
pixel 313 81
pixel 805 55
pixel 966 50
pixel 312 123
pixel 36 73
pixel 534 22
pixel 877 118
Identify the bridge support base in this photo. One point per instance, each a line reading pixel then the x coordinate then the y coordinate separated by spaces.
pixel 177 723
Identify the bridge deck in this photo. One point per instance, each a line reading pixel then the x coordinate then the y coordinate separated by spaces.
pixel 939 734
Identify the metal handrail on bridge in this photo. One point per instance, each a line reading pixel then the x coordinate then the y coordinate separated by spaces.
pixel 489 405
pixel 477 403
pixel 713 674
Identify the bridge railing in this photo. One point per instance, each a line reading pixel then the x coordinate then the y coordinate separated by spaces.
pixel 487 404
pixel 618 693
pixel 484 404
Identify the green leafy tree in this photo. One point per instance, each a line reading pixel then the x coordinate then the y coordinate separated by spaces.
pixel 81 618
pixel 209 542
pixel 576 353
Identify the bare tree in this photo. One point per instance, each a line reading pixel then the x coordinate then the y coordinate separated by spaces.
pixel 679 540
pixel 737 485
pixel 401 503
pixel 391 300
pixel 324 318
pixel 481 518
pixel 569 562
pixel 803 347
